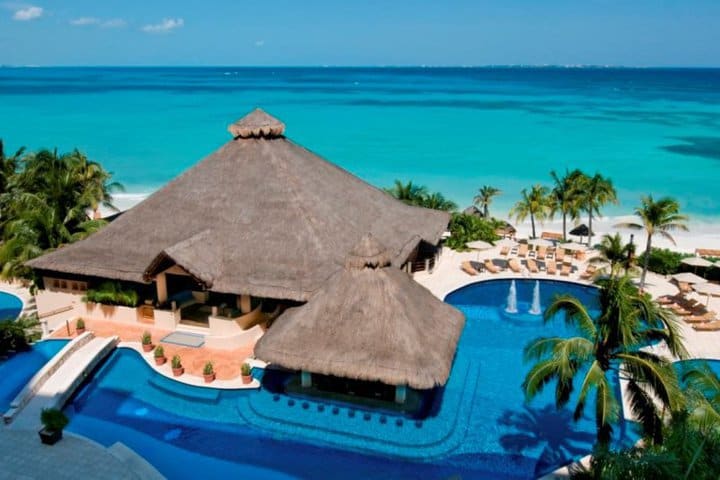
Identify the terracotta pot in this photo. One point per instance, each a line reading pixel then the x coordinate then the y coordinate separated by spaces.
pixel 79 331
pixel 247 379
pixel 160 361
pixel 209 378
pixel 148 348
pixel 178 371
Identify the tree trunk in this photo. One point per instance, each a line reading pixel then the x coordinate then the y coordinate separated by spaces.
pixel 564 227
pixel 486 211
pixel 590 232
pixel 646 263
pixel 532 222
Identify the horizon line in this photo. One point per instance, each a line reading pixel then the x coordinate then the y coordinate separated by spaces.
pixel 398 66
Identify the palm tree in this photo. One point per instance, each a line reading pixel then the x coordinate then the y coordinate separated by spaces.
pixel 8 166
pixel 594 193
pixel 533 204
pixel 616 254
pixel 661 216
pixel 565 196
pixel 409 192
pixel 607 344
pixel 437 201
pixel 484 198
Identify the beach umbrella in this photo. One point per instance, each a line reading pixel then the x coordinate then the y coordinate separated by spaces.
pixel 687 277
pixel 574 246
pixel 479 245
pixel 506 242
pixel 540 242
pixel 697 262
pixel 581 230
pixel 707 289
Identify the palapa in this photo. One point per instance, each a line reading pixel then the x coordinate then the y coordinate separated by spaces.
pixel 260 216
pixel 370 322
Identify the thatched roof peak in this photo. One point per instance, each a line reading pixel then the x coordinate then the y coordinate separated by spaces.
pixel 368 253
pixel 257 124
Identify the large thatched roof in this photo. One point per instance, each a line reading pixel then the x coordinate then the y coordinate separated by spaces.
pixel 262 215
pixel 370 322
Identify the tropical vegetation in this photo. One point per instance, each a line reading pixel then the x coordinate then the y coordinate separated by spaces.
pixel 466 228
pixel 484 198
pixel 660 216
pixel 112 293
pixel 592 194
pixel 16 336
pixel 614 255
pixel 663 261
pixel 534 204
pixel 605 347
pixel 564 196
pixel 47 199
pixel 419 196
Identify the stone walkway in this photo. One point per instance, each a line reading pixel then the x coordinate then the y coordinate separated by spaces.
pixel 73 458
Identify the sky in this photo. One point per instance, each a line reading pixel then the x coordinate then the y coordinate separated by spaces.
pixel 369 32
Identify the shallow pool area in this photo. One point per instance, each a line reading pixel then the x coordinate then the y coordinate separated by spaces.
pixel 479 427
pixel 10 306
pixel 17 370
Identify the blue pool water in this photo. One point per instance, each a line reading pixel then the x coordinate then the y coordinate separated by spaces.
pixel 480 427
pixel 16 371
pixel 10 306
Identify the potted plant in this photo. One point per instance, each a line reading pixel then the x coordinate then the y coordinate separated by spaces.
pixel 208 372
pixel 147 342
pixel 159 356
pixel 246 372
pixel 177 367
pixel 80 326
pixel 53 421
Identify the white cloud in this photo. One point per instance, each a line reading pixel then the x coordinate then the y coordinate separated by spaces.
pixel 259 43
pixel 82 21
pixel 167 25
pixel 94 21
pixel 113 23
pixel 30 12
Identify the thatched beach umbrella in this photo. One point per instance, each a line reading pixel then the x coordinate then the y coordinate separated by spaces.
pixel 697 262
pixel 707 289
pixel 687 277
pixel 581 230
pixel 371 322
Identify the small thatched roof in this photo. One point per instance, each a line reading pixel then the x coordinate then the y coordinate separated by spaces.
pixel 581 230
pixel 261 216
pixel 370 321
pixel 474 211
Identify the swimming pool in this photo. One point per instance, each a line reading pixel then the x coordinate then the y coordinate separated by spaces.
pixel 16 371
pixel 10 306
pixel 480 427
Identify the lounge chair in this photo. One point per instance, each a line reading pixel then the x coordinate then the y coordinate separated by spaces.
pixel 580 255
pixel 514 265
pixel 566 269
pixel 707 317
pixel 551 267
pixel 532 266
pixel 523 250
pixel 589 272
pixel 491 267
pixel 541 253
pixel 468 268
pixel 504 251
pixel 678 309
pixel 713 326
pixel 684 287
pixel 560 255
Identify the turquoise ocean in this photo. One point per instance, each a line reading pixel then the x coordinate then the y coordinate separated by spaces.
pixel 453 129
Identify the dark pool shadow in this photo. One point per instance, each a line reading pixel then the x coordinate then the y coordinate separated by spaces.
pixel 548 428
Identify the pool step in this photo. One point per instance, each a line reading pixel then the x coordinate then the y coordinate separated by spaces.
pixel 134 462
pixel 62 383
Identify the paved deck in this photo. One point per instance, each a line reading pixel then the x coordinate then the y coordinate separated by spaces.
pixel 73 458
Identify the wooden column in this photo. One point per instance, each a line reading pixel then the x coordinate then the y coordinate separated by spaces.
pixel 161 285
pixel 243 303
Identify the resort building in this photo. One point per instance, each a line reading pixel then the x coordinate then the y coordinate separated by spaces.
pixel 260 225
pixel 370 330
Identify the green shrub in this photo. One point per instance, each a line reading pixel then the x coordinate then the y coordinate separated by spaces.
pixel 663 261
pixel 159 352
pixel 466 228
pixel 208 369
pixel 146 338
pixel 176 363
pixel 53 419
pixel 112 293
pixel 246 369
pixel 79 324
pixel 13 338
